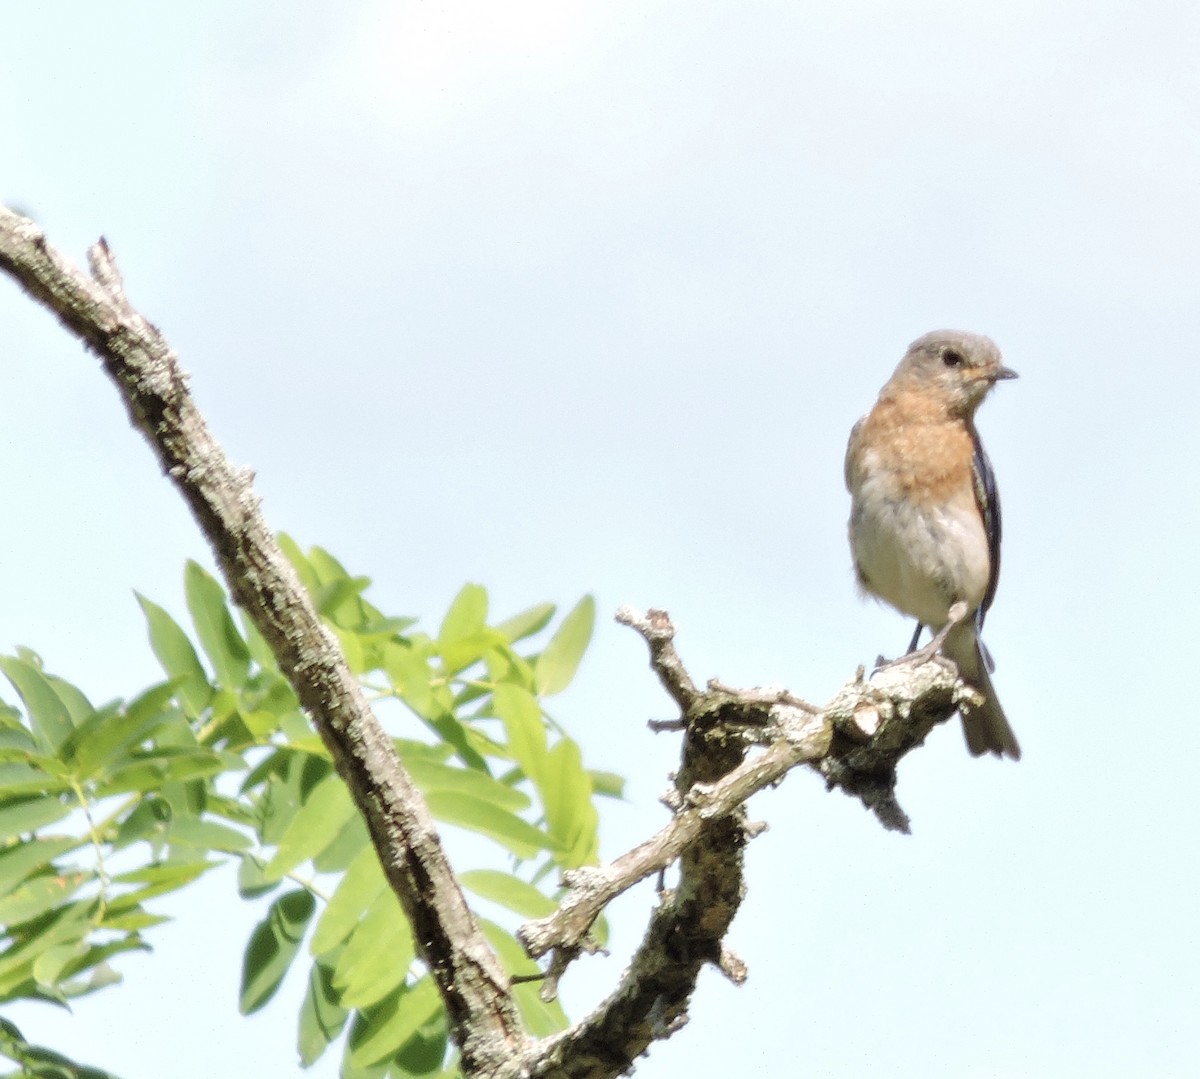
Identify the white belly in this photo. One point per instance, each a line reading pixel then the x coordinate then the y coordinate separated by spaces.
pixel 920 560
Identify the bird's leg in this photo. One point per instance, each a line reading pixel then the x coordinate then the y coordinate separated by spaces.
pixel 955 616
pixel 881 662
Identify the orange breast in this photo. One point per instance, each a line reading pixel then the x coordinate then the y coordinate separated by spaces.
pixel 921 453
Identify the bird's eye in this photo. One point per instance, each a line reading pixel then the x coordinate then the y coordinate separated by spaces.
pixel 952 358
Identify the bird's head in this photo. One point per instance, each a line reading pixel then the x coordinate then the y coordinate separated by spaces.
pixel 958 367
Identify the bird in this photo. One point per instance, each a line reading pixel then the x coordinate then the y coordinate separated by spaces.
pixel 925 512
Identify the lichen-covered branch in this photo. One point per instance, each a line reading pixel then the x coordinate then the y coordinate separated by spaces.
pixel 659 634
pixel 134 353
pixel 799 737
pixel 855 742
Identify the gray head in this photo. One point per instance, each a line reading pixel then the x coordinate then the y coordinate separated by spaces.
pixel 958 368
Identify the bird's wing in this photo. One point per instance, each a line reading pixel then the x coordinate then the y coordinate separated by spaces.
pixel 988 500
pixel 850 450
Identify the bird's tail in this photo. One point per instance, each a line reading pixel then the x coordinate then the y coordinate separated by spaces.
pixel 985 726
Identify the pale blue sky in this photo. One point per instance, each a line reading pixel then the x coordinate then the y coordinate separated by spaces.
pixel 571 297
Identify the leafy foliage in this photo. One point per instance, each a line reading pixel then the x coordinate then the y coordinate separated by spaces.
pixel 38 1062
pixel 104 809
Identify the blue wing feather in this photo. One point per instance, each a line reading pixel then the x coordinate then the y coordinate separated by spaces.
pixel 987 497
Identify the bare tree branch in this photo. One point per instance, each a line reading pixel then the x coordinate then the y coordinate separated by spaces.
pixel 656 629
pixel 799 737
pixel 855 742
pixel 472 982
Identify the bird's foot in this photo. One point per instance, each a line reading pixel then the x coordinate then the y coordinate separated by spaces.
pixel 955 616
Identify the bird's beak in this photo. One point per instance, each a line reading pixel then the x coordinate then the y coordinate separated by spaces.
pixel 1003 373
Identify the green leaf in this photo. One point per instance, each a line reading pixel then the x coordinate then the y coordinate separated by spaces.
pixel 542 1019
pixel 259 650
pixel 316 824
pixel 503 665
pixel 218 633
pixel 24 859
pixel 272 947
pixel 361 885
pixel 58 924
pixel 95 956
pixel 383 1031
pixel 269 691
pixel 461 738
pixel 261 723
pixel 15 741
pixel 521 714
pixel 321 1016
pixel 158 880
pixel 299 562
pixel 464 636
pixel 430 776
pixel 100 978
pixel 187 797
pixel 153 769
pixel 425 1053
pixel 465 651
pixel 280 797
pixel 29 814
pixel 377 956
pixel 251 881
pixel 30 779
pixel 340 601
pixel 133 922
pixel 148 821
pixel 352 838
pixel 608 784
pixel 39 1063
pixel 379 971
pixel 567 798
pixel 527 623
pixel 509 891
pixel 272 768
pixel 325 566
pixel 78 707
pixel 38 895
pixel 209 835
pixel 388 627
pixel 410 674
pixel 466 616
pixel 508 948
pixel 410 751
pixel 518 836
pixel 352 649
pixel 339 597
pixel 50 964
pixel 48 714
pixel 178 657
pixel 560 658
pixel 99 742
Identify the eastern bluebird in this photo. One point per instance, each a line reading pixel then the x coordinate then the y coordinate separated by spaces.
pixel 925 514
